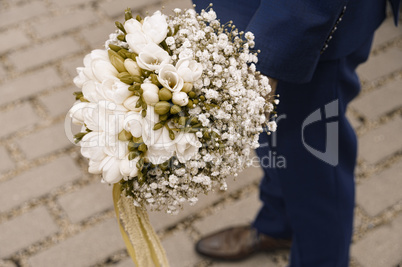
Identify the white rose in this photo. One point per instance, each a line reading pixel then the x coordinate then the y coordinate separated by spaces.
pixel 189 70
pixel 150 94
pixel 186 146
pixel 131 102
pixel 155 27
pixel 132 25
pixel 152 57
pixel 170 79
pixel 115 90
pixel 162 149
pixel 129 167
pixel 132 67
pixel 137 41
pixel 180 98
pixel 133 123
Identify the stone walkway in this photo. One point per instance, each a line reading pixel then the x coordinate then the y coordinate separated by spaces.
pixel 53 213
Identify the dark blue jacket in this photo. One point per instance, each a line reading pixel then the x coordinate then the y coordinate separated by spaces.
pixel 292 33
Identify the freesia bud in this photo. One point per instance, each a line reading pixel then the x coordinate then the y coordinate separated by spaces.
pixel 180 98
pixel 132 67
pixel 162 107
pixel 116 60
pixel 165 94
pixel 150 97
pixel 187 87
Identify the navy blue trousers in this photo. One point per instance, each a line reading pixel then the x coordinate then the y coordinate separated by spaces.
pixel 304 197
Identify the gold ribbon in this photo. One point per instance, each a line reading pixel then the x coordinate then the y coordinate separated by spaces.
pixel 143 244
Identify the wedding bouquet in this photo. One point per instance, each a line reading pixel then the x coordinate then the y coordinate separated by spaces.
pixel 170 108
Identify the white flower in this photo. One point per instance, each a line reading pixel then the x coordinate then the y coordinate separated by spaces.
pixel 186 146
pixel 189 70
pixel 92 145
pixel 137 41
pixel 132 67
pixel 129 167
pixel 180 98
pixel 148 134
pixel 115 90
pixel 132 25
pixel 170 79
pixel 133 123
pixel 272 126
pixel 108 117
pixel 152 57
pixel 131 102
pixel 170 40
pixel 77 111
pixel 150 94
pixel 111 164
pixel 155 27
pixel 162 149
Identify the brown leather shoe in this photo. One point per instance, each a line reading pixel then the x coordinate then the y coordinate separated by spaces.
pixel 237 243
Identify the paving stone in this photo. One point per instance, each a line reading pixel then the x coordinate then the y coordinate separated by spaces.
pixel 256 260
pixel 114 9
pixel 17 119
pixel 381 64
pixel 69 3
pixel 379 102
pixel 70 65
pixel 382 142
pixel 2 72
pixel 65 22
pixel 30 84
pixel 128 262
pixel 387 32
pixel 180 250
pixel 87 201
pixel 239 212
pixel 37 182
pixel 84 249
pixel 6 163
pixel 20 13
pixel 4 263
pixel 22 231
pixel 381 247
pixel 44 53
pixel 59 103
pixel 16 38
pixel 45 141
pixel 381 191
pixel 96 36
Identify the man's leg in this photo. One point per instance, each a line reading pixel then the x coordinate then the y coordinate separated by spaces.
pixel 318 194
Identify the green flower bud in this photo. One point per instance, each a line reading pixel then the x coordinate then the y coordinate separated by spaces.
pixel 137 79
pixel 125 136
pixel 207 135
pixel 163 117
pixel 175 109
pixel 154 79
pixel 162 107
pixel 121 37
pixel 165 94
pixel 120 26
pixel 195 101
pixel 78 137
pixel 144 113
pixel 202 98
pixel 114 47
pixel 138 18
pixel 171 135
pixel 133 154
pixel 158 126
pixel 192 94
pixel 126 77
pixel 164 166
pixel 127 14
pixel 187 87
pixel 116 60
pixel 143 147
pixel 190 103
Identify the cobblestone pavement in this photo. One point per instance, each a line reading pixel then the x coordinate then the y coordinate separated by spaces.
pixel 53 213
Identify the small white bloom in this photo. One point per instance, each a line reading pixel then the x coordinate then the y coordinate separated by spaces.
pixel 170 79
pixel 150 93
pixel 132 25
pixel 132 67
pixel 155 27
pixel 129 167
pixel 189 70
pixel 152 57
pixel 131 102
pixel 180 98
